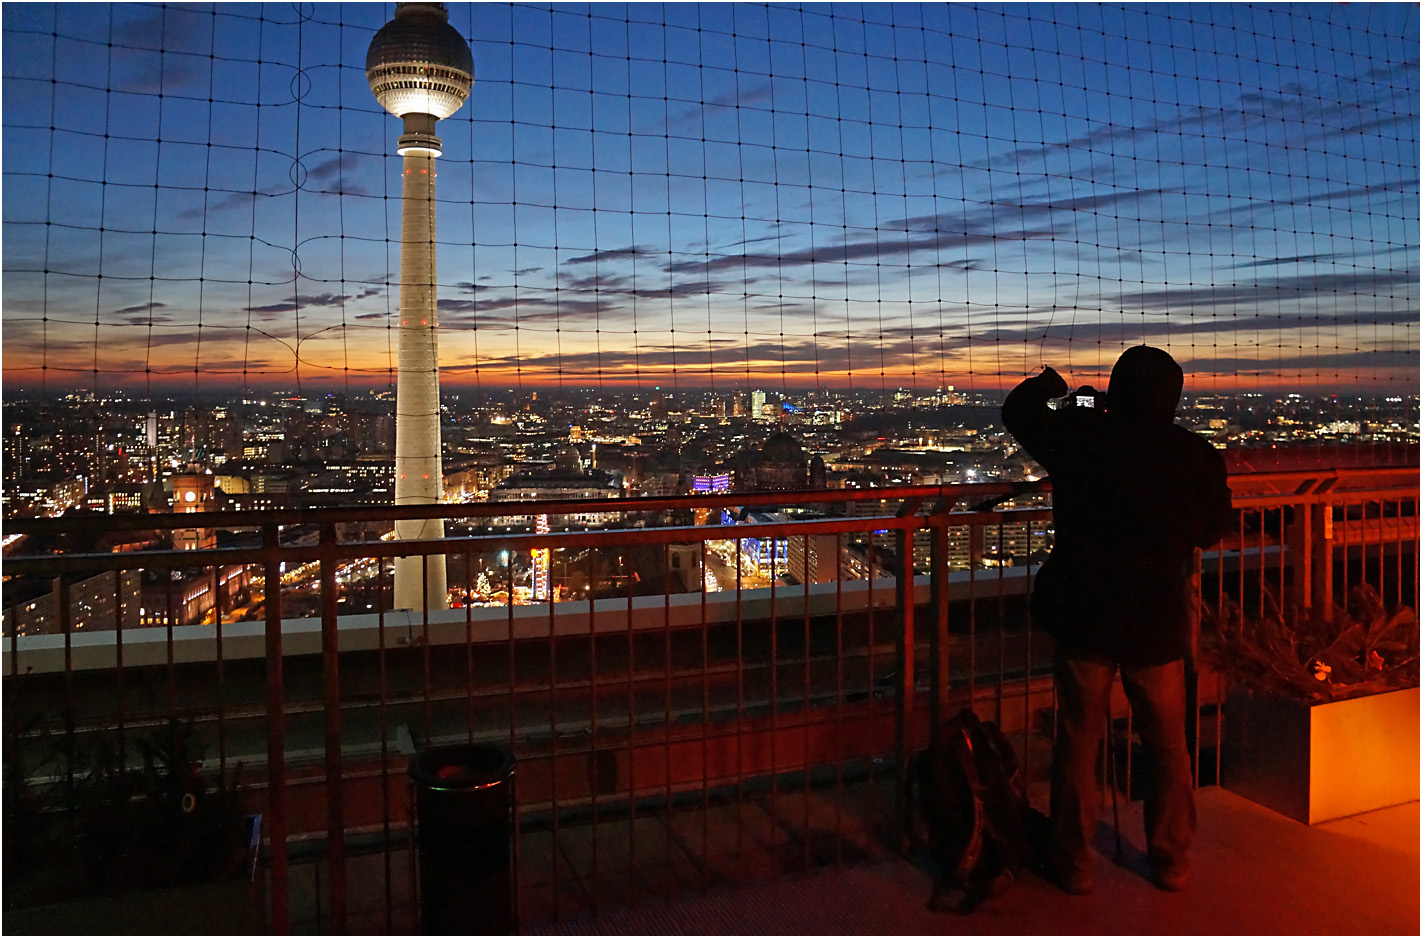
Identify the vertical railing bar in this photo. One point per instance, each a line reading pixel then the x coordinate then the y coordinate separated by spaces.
pixel 1263 555
pixel 275 820
pixel 428 689
pixel 120 683
pixel 469 643
pixel 592 723
pixel 1027 673
pixel 805 707
pixel 13 692
pixel 1323 554
pixel 411 808
pixel 61 588
pixel 705 726
pixel 631 723
pixel 552 686
pixel 1001 621
pixel 774 700
pixel 839 698
pixel 1364 542
pixel 1401 534
pixel 667 691
pixel 740 705
pixel 1219 723
pixel 1346 543
pixel 1240 597
pixel 1284 549
pixel 869 658
pixel 1220 579
pixel 169 621
pixel 513 739
pixel 903 742
pixel 1398 552
pixel 975 533
pixel 221 671
pixel 1221 618
pixel 335 794
pixel 938 580
pixel 383 721
pixel 1381 542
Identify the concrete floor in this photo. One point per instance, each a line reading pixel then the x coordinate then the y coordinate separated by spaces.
pixel 1256 872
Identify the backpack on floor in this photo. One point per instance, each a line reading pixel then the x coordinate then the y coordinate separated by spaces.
pixel 980 827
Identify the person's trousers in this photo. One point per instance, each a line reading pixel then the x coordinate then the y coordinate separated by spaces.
pixel 1157 696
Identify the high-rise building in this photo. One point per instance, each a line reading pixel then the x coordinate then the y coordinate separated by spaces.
pixel 420 69
pixel 757 405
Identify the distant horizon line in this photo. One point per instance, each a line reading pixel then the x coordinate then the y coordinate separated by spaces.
pixel 555 392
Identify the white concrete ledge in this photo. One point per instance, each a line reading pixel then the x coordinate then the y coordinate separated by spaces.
pixel 143 647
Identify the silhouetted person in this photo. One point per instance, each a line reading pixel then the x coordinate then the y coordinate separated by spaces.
pixel 1133 496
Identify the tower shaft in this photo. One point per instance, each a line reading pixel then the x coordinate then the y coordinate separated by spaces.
pixel 420 582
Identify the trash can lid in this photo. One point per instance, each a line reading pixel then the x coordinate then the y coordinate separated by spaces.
pixel 461 767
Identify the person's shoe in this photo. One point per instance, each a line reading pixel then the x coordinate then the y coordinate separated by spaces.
pixel 1172 880
pixel 1076 882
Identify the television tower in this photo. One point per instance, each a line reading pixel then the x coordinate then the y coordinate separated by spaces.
pixel 420 69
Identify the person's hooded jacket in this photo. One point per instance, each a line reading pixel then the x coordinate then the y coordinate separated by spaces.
pixel 1133 495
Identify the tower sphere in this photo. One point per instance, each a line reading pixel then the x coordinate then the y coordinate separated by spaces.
pixel 419 64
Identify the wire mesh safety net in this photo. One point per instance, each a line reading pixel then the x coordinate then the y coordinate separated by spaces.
pixel 722 196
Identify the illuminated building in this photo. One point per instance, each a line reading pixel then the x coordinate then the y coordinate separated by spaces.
pixel 192 492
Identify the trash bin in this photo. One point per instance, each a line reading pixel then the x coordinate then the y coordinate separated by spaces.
pixel 464 816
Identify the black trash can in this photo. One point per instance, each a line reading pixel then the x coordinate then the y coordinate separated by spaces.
pixel 464 816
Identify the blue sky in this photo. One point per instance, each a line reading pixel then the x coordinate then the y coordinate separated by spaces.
pixel 725 195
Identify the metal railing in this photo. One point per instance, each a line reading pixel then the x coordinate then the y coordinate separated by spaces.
pixel 669 736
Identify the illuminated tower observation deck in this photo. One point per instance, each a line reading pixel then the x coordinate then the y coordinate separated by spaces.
pixel 420 70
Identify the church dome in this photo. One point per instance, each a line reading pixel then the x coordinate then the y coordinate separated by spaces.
pixel 782 449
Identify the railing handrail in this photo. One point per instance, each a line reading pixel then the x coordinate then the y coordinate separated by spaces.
pixel 952 492
pixel 54 564
pixel 261 517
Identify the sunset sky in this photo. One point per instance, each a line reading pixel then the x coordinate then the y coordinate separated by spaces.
pixel 723 195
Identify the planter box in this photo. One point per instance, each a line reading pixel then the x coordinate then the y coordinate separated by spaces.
pixel 1316 762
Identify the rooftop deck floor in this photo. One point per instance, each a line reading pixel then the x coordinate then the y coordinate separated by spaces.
pixel 1256 872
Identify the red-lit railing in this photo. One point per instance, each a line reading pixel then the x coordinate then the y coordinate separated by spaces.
pixel 667 738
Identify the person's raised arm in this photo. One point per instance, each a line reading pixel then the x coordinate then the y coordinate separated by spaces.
pixel 1028 418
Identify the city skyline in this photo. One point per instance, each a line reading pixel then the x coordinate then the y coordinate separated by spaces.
pixel 724 196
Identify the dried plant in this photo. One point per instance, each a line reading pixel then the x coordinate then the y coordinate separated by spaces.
pixel 83 822
pixel 1350 651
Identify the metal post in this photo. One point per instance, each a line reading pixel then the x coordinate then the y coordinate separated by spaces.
pixel 938 638
pixel 903 741
pixel 335 806
pixel 275 820
pixel 1321 555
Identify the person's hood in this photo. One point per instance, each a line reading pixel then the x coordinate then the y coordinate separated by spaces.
pixel 1145 386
